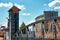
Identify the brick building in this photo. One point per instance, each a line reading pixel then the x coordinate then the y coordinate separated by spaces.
pixel 49 25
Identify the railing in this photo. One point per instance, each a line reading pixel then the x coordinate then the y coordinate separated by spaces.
pixel 25 37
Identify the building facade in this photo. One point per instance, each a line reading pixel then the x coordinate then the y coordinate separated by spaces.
pixel 3 33
pixel 13 21
pixel 49 25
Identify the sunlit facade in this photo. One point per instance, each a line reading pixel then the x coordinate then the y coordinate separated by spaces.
pixel 49 27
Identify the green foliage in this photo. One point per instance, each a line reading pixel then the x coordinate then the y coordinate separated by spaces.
pixel 23 28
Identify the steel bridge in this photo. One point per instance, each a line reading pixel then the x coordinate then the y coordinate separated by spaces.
pixel 54 25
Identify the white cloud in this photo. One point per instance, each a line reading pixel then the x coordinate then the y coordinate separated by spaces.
pixel 26 14
pixel 9 5
pixel 20 6
pixel 57 7
pixel 54 4
pixel 6 4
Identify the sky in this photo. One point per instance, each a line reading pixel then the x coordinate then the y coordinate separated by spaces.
pixel 30 9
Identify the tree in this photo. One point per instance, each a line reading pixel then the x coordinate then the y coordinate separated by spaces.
pixel 23 28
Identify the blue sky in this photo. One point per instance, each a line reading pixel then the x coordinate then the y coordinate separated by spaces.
pixel 30 9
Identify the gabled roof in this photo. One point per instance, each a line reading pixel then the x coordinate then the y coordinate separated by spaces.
pixel 14 9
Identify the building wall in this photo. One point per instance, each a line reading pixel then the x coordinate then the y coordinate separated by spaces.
pixel 50 14
pixel 1 35
pixel 47 24
pixel 58 31
pixel 38 30
pixel 48 33
pixel 13 23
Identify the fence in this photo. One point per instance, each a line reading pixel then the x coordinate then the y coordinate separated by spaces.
pixel 26 37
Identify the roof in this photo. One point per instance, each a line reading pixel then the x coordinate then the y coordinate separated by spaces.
pixel 39 16
pixel 14 9
pixel 50 11
pixel 6 29
pixel 41 21
pixel 46 12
